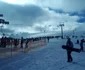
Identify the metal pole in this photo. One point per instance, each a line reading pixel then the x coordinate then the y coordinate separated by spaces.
pixel 61 25
pixel 62 32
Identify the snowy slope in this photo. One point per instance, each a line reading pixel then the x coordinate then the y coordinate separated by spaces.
pixel 49 57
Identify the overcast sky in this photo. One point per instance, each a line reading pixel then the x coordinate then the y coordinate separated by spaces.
pixel 35 16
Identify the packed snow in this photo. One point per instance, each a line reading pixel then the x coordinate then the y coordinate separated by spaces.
pixel 49 57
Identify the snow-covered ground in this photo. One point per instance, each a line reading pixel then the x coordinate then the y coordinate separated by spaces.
pixel 49 57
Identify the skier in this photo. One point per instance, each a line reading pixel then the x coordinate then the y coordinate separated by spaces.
pixel 69 44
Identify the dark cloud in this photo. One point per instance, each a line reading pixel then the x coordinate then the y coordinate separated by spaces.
pixel 81 20
pixel 57 10
pixel 66 5
pixel 73 14
pixel 80 14
pixel 60 11
pixel 17 14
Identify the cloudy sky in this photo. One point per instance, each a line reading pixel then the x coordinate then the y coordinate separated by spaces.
pixel 37 16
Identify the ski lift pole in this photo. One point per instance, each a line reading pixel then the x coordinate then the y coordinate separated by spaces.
pixel 61 25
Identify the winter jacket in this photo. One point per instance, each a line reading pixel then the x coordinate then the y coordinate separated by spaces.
pixel 69 44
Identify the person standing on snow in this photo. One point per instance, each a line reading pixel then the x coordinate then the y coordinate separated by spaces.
pixel 81 45
pixel 24 45
pixel 77 41
pixel 69 44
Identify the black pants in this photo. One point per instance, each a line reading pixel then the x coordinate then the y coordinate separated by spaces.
pixel 69 57
pixel 82 48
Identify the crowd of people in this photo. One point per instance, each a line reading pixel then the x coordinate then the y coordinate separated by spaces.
pixel 7 41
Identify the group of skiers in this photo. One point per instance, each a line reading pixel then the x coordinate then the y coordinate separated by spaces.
pixel 69 43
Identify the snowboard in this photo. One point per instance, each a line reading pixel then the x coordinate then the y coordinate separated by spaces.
pixel 69 48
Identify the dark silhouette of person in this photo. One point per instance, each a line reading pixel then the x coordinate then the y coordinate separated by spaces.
pixel 77 41
pixel 81 45
pixel 3 42
pixel 48 39
pixel 15 43
pixel 69 44
pixel 22 42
